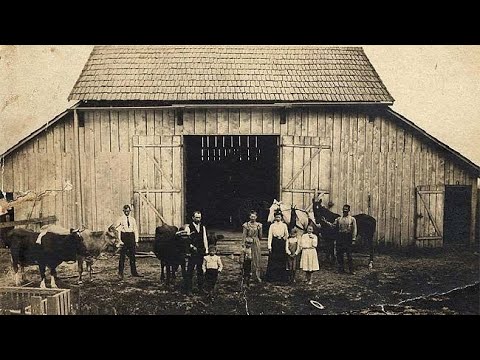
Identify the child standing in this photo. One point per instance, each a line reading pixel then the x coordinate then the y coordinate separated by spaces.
pixel 291 250
pixel 246 261
pixel 308 247
pixel 212 266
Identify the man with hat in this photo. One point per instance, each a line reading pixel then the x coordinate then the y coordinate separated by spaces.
pixel 347 233
pixel 128 231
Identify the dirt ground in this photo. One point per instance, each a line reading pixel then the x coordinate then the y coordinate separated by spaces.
pixel 395 278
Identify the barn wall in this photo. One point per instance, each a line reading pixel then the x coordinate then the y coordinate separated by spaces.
pixel 44 163
pixel 371 157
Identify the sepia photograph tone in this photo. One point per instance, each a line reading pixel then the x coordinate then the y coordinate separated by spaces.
pixel 239 180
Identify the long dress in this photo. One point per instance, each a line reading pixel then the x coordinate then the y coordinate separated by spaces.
pixel 309 258
pixel 277 260
pixel 254 231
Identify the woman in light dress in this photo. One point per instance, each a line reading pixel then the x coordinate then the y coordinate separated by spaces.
pixel 252 230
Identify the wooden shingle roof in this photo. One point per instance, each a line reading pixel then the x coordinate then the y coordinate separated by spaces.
pixel 230 73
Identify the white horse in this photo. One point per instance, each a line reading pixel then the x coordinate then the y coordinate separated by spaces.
pixel 303 217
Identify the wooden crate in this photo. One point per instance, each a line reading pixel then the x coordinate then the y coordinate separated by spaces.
pixel 34 301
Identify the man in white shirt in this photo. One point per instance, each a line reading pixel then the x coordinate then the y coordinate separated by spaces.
pixel 198 249
pixel 127 228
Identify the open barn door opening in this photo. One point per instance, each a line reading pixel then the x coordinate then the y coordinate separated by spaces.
pixel 457 217
pixel 228 175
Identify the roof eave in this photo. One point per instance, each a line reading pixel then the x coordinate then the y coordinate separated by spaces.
pixel 39 130
pixel 470 164
pixel 236 103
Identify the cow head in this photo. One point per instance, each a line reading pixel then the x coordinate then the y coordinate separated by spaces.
pixel 112 238
pixel 100 241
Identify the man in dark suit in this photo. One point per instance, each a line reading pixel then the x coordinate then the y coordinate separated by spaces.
pixel 198 249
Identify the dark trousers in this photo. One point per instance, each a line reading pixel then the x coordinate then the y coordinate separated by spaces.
pixel 330 250
pixel 194 262
pixel 344 245
pixel 127 249
pixel 211 276
pixel 247 270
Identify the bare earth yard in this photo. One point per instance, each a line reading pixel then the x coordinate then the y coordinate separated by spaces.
pixel 395 278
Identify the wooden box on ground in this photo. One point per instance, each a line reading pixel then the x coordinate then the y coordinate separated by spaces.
pixel 34 301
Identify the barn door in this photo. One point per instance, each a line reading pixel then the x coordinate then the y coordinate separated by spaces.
pixel 305 169
pixel 429 213
pixel 157 181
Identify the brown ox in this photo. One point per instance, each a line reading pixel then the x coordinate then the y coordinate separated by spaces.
pixel 57 248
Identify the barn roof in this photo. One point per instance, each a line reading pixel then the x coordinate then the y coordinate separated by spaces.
pixel 230 73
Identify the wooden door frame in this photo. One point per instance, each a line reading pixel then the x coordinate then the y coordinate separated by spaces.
pixel 418 195
pixel 470 219
pixel 320 147
pixel 157 167
pixel 278 138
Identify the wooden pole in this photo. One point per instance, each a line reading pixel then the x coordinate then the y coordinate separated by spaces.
pixel 76 160
pixel 52 306
pixel 36 303
pixel 47 220
pixel 473 222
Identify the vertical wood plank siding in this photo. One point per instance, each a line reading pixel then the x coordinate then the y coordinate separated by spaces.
pixel 370 157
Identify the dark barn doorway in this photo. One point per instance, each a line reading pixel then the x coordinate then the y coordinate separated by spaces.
pixel 457 215
pixel 228 175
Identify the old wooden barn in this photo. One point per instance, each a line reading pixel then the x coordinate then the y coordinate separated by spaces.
pixel 227 128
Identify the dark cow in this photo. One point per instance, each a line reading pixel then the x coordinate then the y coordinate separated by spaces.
pixel 171 247
pixel 366 226
pixel 55 249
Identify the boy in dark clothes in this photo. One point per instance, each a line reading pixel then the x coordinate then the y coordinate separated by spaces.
pixel 246 261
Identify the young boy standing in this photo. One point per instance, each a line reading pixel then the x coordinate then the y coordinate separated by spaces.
pixel 212 266
pixel 246 261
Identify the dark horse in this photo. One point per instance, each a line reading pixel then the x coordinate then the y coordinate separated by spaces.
pixel 366 226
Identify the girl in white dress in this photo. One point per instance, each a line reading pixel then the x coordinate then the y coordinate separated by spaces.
pixel 309 259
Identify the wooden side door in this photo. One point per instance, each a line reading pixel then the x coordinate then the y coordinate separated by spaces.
pixel 429 214
pixel 157 181
pixel 305 170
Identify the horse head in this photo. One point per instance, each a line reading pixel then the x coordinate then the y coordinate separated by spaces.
pixel 276 205
pixel 301 219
